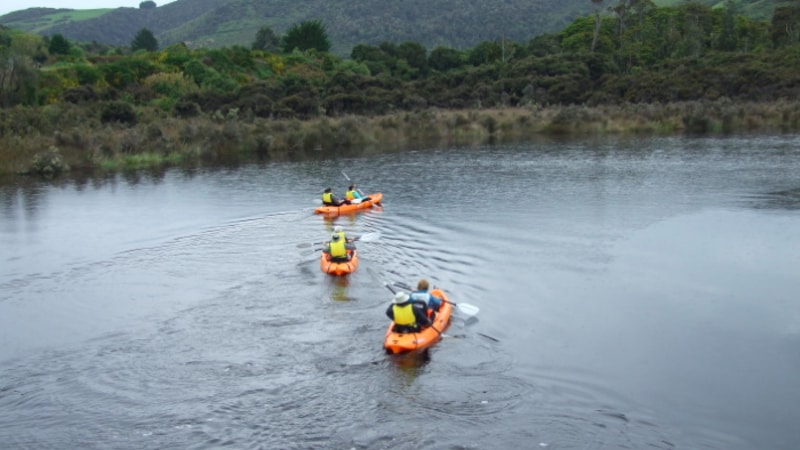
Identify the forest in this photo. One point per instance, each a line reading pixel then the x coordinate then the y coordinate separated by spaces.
pixel 685 68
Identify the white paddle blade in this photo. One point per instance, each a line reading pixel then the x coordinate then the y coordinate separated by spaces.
pixel 467 309
pixel 370 237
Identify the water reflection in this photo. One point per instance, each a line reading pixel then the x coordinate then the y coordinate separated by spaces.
pixel 407 366
pixel 788 199
pixel 340 285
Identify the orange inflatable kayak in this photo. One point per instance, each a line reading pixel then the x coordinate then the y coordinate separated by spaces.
pixel 374 199
pixel 407 342
pixel 339 268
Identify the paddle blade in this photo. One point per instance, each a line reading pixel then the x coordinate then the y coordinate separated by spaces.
pixel 467 309
pixel 370 237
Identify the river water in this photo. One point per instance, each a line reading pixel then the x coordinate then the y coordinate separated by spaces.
pixel 633 293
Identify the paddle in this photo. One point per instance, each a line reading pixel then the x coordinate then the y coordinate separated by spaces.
pixel 468 309
pixel 464 308
pixel 351 182
pixel 366 237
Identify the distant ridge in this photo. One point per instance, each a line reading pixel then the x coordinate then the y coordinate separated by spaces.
pixel 217 23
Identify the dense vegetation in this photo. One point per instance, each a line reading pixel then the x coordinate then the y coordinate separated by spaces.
pixel 458 24
pixel 223 23
pixel 687 67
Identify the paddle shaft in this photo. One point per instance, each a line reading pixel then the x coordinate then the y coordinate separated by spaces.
pixel 366 237
pixel 409 288
pixel 351 181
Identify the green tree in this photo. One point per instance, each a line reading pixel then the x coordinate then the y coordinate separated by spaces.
pixel 445 58
pixel 18 71
pixel 485 53
pixel 148 4
pixel 415 55
pixel 376 60
pixel 144 40
pixel 727 38
pixel 785 29
pixel 598 21
pixel 306 36
pixel 59 45
pixel 267 40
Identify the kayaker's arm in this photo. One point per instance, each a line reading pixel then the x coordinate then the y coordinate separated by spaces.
pixel 422 317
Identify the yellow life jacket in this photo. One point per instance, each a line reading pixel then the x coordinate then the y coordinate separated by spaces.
pixel 338 249
pixel 404 315
pixel 350 195
pixel 327 198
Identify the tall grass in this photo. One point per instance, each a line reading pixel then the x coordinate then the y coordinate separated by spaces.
pixel 155 140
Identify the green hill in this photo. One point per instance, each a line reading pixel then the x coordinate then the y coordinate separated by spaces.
pixel 217 23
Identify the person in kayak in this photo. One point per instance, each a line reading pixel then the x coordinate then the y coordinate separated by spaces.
pixel 337 248
pixel 328 199
pixel 348 242
pixel 431 302
pixel 340 231
pixel 408 315
pixel 354 195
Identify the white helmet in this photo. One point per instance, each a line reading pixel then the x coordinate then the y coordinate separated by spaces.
pixel 338 228
pixel 400 297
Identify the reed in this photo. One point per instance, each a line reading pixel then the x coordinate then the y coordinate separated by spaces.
pixel 155 139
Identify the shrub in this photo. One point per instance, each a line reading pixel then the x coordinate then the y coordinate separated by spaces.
pixel 171 84
pixel 80 94
pixel 120 112
pixel 186 109
pixel 48 163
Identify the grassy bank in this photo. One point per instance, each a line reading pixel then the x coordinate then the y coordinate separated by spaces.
pixel 57 138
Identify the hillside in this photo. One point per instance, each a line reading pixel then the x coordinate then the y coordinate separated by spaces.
pixel 217 23
pixel 457 24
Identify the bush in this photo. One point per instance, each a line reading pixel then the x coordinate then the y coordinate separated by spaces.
pixel 48 163
pixel 186 109
pixel 120 112
pixel 80 94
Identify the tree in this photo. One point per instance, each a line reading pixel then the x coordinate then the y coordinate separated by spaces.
pixel 598 21
pixel 149 4
pixel 487 52
pixel 267 40
pixel 727 40
pixel 305 36
pixel 59 45
pixel 18 71
pixel 445 58
pixel 415 55
pixel 144 40
pixel 785 25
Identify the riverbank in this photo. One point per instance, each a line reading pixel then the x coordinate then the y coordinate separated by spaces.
pixel 60 141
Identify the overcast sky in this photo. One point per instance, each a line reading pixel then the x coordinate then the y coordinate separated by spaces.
pixel 7 6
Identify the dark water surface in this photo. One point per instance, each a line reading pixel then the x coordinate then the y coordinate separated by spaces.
pixel 633 294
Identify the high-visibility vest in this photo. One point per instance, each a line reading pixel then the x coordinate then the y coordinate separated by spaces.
pixel 338 249
pixel 404 314
pixel 327 198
